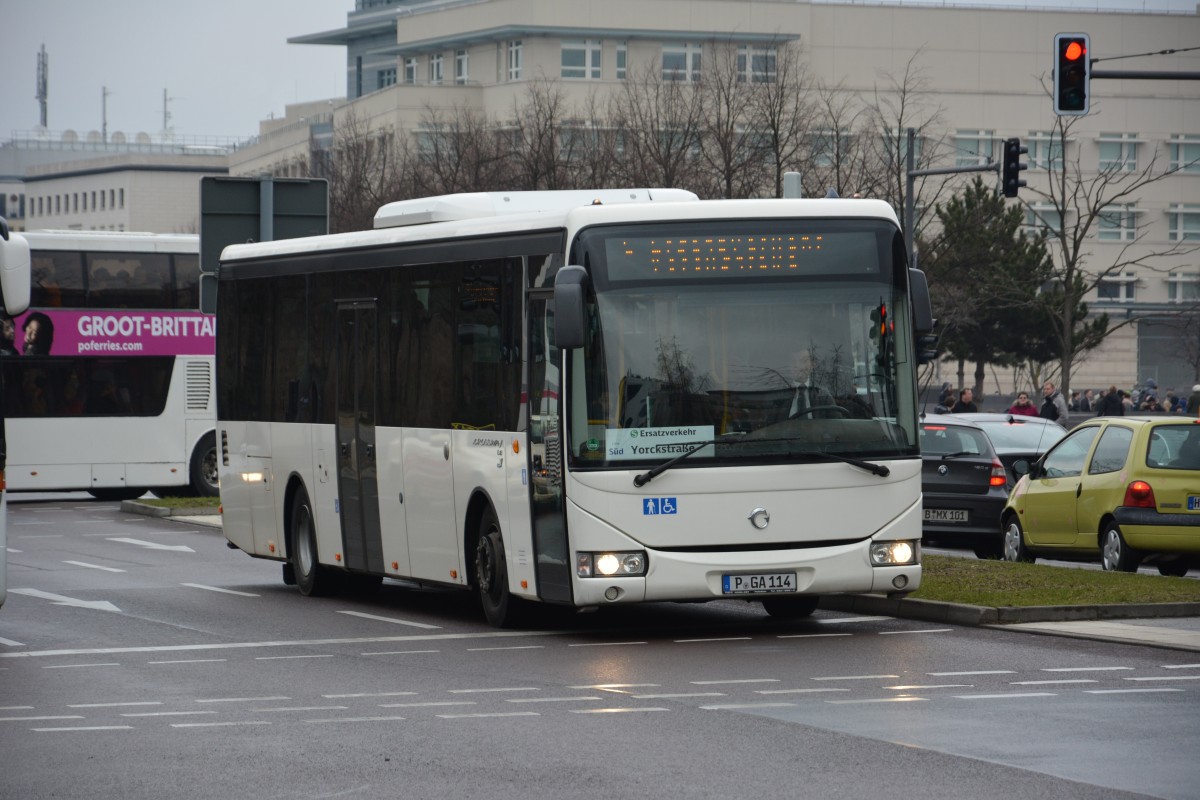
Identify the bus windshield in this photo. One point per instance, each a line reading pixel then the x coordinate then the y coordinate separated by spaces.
pixel 771 339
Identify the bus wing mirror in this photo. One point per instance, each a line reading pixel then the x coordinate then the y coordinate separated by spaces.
pixel 925 339
pixel 15 266
pixel 570 286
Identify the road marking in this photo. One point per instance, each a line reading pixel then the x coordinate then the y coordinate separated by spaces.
pixel 168 713
pixel 843 620
pixel 809 635
pixel 217 724
pixel 189 661
pixel 879 700
pixel 10 643
pixel 493 714
pixel 299 708
pixel 239 699
pixel 16 708
pixel 115 705
pixel 1004 696
pixel 548 699
pixel 93 566
pixel 676 695
pixel 855 678
pixel 59 600
pixel 219 589
pixel 615 710
pixel 736 680
pixel 40 719
pixel 1085 669
pixel 392 620
pixel 1180 666
pixel 73 666
pixel 616 687
pixel 514 647
pixel 739 706
pixel 179 548
pixel 798 691
pixel 973 672
pixel 926 630
pixel 366 694
pixel 1167 678
pixel 488 691
pixel 356 719
pixel 399 652
pixel 430 704
pixel 88 728
pixel 1128 691
pixel 1051 683
pixel 720 639
pixel 915 686
pixel 285 658
pixel 604 644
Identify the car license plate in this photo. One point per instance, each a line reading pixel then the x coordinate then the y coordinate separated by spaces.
pixel 760 582
pixel 945 515
pixel 1193 502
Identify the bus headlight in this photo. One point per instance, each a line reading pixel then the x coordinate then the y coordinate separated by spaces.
pixel 886 554
pixel 605 565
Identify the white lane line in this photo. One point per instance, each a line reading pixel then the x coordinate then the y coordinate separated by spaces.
pixel 616 687
pixel 76 666
pixel 490 691
pixel 179 548
pixel 39 719
pixel 844 620
pixel 1085 669
pixel 604 644
pixel 855 678
pixel 717 639
pixel 430 704
pixel 1051 683
pixel 16 708
pixel 168 714
pixel 298 708
pixel 514 647
pixel 11 550
pixel 809 635
pixel 289 658
pixel 399 652
pixel 879 700
pixel 357 695
pixel 218 724
pixel 10 643
pixel 1004 696
pixel 87 728
pixel 355 719
pixel 1129 691
pixel 115 705
pixel 917 686
pixel 676 695
pixel 492 714
pixel 239 699
pixel 392 620
pixel 799 691
pixel 219 589
pixel 60 600
pixel 738 706
pixel 1167 678
pixel 1181 666
pixel 93 566
pixel 548 699
pixel 615 710
pixel 973 672
pixel 926 630
pixel 189 661
pixel 736 680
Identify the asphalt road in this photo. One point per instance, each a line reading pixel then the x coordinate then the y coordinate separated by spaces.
pixel 139 657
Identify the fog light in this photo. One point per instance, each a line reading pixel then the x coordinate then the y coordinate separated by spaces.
pixel 900 581
pixel 612 593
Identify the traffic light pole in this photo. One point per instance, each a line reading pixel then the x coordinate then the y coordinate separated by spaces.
pixel 1144 76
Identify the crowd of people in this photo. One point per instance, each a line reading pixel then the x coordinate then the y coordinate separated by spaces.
pixel 1110 402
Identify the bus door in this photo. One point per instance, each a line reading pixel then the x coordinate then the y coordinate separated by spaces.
pixel 358 489
pixel 551 551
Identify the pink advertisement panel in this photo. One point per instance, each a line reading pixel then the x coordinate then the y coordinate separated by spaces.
pixel 110 332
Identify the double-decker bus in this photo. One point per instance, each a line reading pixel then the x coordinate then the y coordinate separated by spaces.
pixel 579 398
pixel 14 298
pixel 110 374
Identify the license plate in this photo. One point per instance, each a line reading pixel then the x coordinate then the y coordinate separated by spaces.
pixel 1193 502
pixel 944 515
pixel 760 582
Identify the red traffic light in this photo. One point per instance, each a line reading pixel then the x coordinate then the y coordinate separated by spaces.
pixel 1075 51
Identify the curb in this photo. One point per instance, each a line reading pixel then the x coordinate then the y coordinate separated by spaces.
pixel 958 614
pixel 134 507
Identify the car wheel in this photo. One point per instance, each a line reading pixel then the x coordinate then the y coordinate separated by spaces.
pixel 1115 554
pixel 1014 543
pixel 491 574
pixel 312 579
pixel 991 549
pixel 791 607
pixel 1174 569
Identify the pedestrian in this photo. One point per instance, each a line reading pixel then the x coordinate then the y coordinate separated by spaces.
pixel 1088 402
pixel 1193 402
pixel 1053 405
pixel 966 402
pixel 1109 404
pixel 1024 406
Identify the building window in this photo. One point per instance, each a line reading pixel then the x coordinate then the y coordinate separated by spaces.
pixel 514 60
pixel 973 148
pixel 1119 288
pixel 826 147
pixel 410 70
pixel 681 62
pixel 121 197
pixel 435 68
pixel 1042 220
pixel 1183 288
pixel 581 59
pixel 1184 222
pixel 894 146
pixel 385 78
pixel 460 66
pixel 1118 152
pixel 1185 153
pixel 1117 224
pixel 1045 150
pixel 622 59
pixel 756 64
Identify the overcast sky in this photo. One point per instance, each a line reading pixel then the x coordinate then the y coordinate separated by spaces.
pixel 226 63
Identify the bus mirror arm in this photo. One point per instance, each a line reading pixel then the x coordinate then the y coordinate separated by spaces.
pixel 570 286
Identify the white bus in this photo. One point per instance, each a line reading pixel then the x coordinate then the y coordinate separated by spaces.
pixel 14 298
pixel 579 398
pixel 111 387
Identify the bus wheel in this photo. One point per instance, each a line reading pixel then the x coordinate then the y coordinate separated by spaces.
pixel 491 574
pixel 203 470
pixel 791 607
pixel 313 579
pixel 116 495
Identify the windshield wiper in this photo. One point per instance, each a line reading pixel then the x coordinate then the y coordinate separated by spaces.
pixel 948 456
pixel 694 447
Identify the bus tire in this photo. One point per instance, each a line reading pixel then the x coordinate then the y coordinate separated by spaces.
pixel 491 574
pixel 791 607
pixel 116 495
pixel 312 579
pixel 203 470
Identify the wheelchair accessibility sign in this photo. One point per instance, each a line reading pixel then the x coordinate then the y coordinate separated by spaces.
pixel 653 506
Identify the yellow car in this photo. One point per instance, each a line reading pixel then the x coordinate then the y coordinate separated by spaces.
pixel 1124 488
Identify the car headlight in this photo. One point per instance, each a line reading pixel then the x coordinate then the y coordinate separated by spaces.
pixel 887 554
pixel 607 565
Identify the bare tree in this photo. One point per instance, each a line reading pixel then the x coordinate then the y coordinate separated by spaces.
pixel 781 109
pixel 661 120
pixel 364 170
pixel 732 153
pixel 537 129
pixel 459 150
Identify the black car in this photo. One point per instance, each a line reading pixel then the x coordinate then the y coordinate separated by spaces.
pixel 1015 436
pixel 965 485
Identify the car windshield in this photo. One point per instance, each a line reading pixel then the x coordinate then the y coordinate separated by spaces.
pixel 1019 435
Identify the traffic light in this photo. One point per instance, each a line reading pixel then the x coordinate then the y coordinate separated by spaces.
pixel 1010 174
pixel 1072 74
